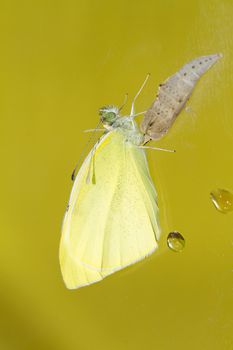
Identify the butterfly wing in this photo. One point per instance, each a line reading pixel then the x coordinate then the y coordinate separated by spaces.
pixel 172 97
pixel 114 222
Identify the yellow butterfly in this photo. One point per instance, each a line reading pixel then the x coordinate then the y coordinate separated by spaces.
pixel 112 218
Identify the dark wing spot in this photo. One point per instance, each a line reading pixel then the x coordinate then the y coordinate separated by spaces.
pixel 185 73
pixel 193 66
pixel 200 62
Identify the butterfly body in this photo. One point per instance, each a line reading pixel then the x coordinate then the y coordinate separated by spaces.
pixel 112 219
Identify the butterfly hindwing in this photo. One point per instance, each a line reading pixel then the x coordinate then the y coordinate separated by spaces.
pixel 114 222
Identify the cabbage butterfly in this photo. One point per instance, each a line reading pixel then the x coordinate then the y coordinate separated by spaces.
pixel 112 217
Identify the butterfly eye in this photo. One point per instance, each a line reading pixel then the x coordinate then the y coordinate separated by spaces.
pixel 108 118
pixel 108 115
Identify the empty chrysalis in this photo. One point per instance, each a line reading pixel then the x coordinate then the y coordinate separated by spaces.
pixel 112 219
pixel 172 96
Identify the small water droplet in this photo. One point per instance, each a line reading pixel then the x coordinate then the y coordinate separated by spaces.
pixel 175 241
pixel 222 199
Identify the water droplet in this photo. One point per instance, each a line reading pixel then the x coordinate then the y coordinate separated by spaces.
pixel 175 241
pixel 222 199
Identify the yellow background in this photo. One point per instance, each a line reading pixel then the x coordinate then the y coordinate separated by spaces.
pixel 60 61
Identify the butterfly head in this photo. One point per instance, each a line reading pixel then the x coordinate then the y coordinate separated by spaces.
pixel 108 115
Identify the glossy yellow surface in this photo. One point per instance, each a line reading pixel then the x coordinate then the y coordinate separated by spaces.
pixel 60 61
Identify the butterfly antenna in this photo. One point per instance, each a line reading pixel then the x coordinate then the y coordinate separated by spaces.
pixel 84 151
pixel 124 103
pixel 159 149
pixel 138 93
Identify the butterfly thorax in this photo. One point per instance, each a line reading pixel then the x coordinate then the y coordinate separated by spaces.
pixel 109 116
pixel 128 127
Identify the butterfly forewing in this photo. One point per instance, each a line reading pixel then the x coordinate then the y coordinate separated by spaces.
pixel 172 96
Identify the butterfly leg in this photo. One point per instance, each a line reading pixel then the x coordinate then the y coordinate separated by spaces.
pixel 84 149
pixel 135 115
pixel 159 149
pixel 91 171
pixel 94 130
